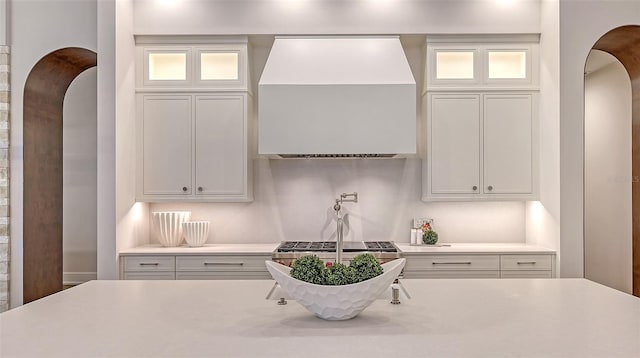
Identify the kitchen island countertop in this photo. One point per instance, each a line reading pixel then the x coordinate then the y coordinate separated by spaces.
pixel 445 318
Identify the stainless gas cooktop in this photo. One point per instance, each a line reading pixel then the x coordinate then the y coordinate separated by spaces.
pixel 327 246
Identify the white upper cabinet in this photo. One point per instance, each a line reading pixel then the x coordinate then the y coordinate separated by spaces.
pixel 220 148
pixel 481 62
pixel 455 144
pixel 481 108
pixel 166 145
pixel 192 62
pixel 193 109
pixel 508 157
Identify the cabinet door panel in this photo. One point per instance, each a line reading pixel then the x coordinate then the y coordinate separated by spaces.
pixel 220 149
pixel 166 144
pixel 455 144
pixel 508 144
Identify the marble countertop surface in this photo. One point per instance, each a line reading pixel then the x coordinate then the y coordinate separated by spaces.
pixel 474 248
pixel 444 318
pixel 208 249
pixel 266 249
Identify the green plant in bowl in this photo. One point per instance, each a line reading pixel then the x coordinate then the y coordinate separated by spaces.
pixel 430 237
pixel 311 269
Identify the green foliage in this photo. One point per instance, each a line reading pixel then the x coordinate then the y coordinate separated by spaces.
pixel 365 266
pixel 430 237
pixel 311 269
pixel 340 274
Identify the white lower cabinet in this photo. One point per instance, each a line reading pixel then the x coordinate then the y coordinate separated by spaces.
pixel 195 267
pixel 479 266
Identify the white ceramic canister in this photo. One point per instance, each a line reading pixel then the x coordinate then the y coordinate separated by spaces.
pixel 196 232
pixel 168 226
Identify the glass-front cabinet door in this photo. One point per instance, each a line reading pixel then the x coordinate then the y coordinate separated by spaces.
pixel 167 67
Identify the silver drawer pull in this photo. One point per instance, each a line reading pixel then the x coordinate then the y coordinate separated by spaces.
pixel 149 264
pixel 526 262
pixel 224 263
pixel 452 263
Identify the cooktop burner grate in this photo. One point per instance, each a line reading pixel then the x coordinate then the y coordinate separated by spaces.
pixel 324 246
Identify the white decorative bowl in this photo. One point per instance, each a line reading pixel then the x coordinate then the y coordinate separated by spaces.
pixel 168 225
pixel 195 232
pixel 335 302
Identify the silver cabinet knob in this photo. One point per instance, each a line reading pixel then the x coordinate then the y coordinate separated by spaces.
pixel 490 187
pixel 184 188
pixel 200 188
pixel 475 187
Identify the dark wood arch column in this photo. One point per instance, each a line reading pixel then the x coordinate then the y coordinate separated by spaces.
pixel 624 44
pixel 44 93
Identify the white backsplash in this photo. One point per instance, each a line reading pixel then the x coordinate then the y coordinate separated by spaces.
pixel 293 200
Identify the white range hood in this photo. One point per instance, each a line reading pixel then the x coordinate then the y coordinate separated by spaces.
pixel 337 97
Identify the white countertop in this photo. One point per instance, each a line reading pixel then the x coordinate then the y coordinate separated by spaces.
pixel 445 318
pixel 473 248
pixel 209 249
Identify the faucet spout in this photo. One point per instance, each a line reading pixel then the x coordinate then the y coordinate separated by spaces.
pixel 340 240
pixel 340 222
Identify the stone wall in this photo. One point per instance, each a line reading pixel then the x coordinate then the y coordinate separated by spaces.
pixel 4 178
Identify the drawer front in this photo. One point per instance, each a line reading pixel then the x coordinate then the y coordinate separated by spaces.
pixel 525 262
pixel 149 263
pixel 453 263
pixel 149 276
pixel 526 274
pixel 222 263
pixel 244 275
pixel 451 274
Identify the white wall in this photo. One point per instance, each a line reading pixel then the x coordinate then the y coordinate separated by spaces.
pixel 131 217
pixel 37 28
pixel 79 180
pixel 607 201
pixel 3 22
pixel 543 216
pixel 294 200
pixel 582 23
pixel 335 17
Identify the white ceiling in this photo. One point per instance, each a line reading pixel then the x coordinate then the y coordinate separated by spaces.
pixel 596 60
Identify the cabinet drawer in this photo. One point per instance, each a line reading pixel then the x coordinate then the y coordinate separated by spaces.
pixel 149 276
pixel 221 263
pixel 453 263
pixel 451 274
pixel 526 274
pixel 149 263
pixel 243 275
pixel 525 262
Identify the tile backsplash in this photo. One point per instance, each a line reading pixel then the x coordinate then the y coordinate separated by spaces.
pixel 293 200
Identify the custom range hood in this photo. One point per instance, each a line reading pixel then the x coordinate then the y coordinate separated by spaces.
pixel 337 96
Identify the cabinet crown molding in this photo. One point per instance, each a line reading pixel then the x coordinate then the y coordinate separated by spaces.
pixel 483 38
pixel 189 39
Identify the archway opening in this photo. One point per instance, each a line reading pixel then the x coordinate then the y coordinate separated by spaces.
pixel 44 94
pixel 623 43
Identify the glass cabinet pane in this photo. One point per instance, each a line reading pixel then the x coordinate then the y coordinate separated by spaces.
pixel 454 65
pixel 167 66
pixel 219 66
pixel 507 64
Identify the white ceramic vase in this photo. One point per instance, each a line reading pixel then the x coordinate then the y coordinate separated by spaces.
pixel 168 226
pixel 195 232
pixel 335 302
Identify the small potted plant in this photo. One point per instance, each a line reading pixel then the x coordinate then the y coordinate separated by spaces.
pixel 429 236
